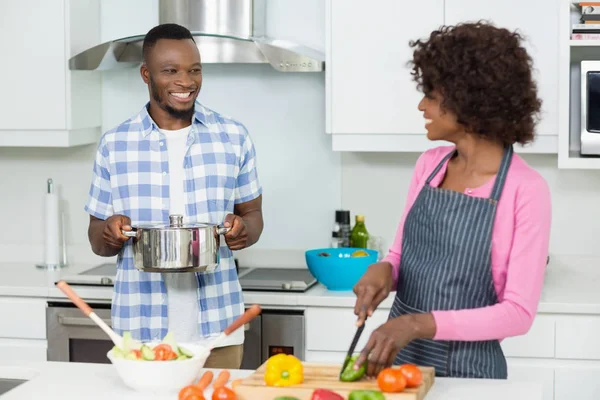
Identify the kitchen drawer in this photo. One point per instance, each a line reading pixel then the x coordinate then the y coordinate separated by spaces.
pixel 332 329
pixel 12 350
pixel 577 337
pixel 577 382
pixel 22 318
pixel 536 371
pixel 537 343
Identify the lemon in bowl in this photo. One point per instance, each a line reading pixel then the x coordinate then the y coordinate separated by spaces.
pixel 339 269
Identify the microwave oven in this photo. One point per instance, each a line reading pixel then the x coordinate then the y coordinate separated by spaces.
pixel 590 107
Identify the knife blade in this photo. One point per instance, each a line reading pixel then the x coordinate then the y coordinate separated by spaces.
pixel 352 346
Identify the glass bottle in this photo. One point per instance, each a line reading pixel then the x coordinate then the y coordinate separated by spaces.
pixel 359 236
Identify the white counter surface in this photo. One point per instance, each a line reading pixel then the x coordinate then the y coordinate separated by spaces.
pixel 74 381
pixel 571 286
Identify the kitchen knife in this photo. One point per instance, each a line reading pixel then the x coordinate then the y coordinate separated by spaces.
pixel 352 346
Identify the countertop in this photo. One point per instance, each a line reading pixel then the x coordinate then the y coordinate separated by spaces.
pixel 74 381
pixel 571 286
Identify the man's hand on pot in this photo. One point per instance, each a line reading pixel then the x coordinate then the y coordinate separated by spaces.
pixel 237 237
pixel 112 235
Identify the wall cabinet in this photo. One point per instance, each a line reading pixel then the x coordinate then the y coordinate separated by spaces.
pixel 540 40
pixel 45 104
pixel 370 87
pixel 371 101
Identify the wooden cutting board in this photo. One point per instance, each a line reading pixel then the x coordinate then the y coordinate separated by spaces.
pixel 324 376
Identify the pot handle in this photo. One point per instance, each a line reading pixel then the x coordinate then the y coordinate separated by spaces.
pixel 221 230
pixel 129 233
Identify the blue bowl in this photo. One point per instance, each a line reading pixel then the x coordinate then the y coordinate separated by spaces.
pixel 339 271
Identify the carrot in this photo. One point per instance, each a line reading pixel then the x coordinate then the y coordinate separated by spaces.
pixel 235 382
pixel 205 380
pixel 221 379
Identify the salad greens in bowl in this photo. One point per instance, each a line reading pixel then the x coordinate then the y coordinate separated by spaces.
pixel 164 366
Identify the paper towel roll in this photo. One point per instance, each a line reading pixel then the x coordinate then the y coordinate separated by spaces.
pixel 52 230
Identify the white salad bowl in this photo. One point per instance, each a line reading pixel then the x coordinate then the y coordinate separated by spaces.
pixel 161 376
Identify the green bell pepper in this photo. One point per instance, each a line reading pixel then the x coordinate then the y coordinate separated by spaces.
pixel 349 374
pixel 366 395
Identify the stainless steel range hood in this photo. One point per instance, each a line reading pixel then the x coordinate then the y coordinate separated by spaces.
pixel 226 31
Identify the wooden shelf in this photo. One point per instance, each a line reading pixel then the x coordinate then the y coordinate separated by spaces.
pixel 584 43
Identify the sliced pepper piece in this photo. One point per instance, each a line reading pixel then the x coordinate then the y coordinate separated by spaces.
pixel 284 370
pixel 366 395
pixel 349 374
pixel 324 394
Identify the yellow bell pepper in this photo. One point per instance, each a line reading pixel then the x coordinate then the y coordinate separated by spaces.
pixel 283 370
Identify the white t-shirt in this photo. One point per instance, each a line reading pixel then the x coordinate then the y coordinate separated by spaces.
pixel 182 288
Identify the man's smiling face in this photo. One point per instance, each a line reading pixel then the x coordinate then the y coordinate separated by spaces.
pixel 173 73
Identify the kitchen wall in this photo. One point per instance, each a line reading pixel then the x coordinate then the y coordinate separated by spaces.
pixel 284 113
pixel 304 181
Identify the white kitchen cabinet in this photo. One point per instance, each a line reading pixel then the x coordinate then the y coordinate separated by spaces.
pixel 23 329
pixel 537 371
pixel 581 382
pixel 539 342
pixel 371 98
pixel 342 321
pixel 44 103
pixel 370 91
pixel 577 337
pixel 537 20
pixel 22 318
pixel 23 350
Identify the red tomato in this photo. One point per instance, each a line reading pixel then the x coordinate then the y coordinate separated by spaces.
pixel 391 380
pixel 137 353
pixel 413 375
pixel 164 352
pixel 223 393
pixel 191 392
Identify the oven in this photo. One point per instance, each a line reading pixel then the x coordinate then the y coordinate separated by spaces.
pixel 73 337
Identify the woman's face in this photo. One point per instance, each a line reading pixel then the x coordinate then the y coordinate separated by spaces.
pixel 440 124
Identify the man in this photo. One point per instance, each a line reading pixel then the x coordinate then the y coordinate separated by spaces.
pixel 176 157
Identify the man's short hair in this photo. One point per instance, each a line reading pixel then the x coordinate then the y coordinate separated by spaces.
pixel 164 31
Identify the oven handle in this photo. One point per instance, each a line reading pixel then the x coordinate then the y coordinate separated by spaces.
pixel 76 321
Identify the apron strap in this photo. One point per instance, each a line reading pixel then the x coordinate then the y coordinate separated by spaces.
pixel 440 165
pixel 502 172
pixel 500 177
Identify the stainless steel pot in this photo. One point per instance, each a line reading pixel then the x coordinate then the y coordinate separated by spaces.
pixel 176 247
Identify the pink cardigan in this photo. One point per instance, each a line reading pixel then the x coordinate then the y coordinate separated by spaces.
pixel 520 241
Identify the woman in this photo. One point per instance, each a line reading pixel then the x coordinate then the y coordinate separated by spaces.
pixel 470 251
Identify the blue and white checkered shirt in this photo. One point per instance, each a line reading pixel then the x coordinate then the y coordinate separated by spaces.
pixel 131 177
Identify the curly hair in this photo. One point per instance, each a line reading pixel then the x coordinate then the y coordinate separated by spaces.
pixel 484 76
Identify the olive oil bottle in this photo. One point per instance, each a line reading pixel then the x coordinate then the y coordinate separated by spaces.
pixel 359 236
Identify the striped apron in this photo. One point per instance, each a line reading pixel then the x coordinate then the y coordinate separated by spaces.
pixel 446 265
